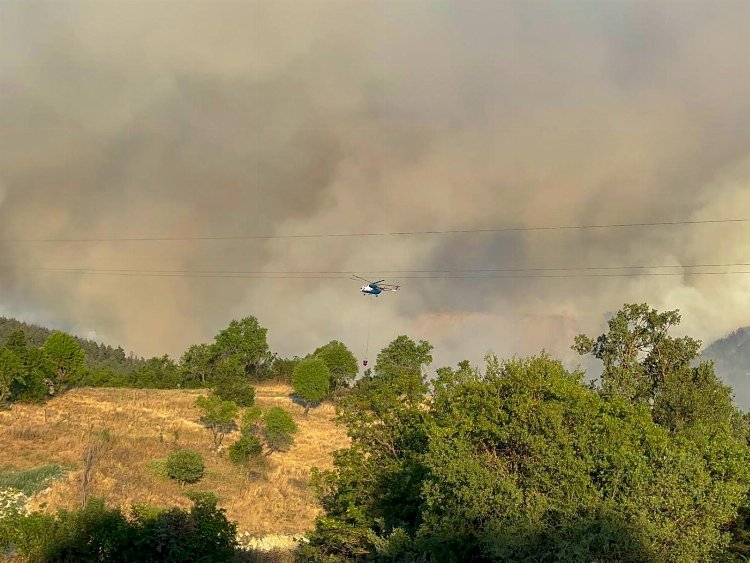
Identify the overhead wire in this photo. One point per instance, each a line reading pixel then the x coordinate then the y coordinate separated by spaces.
pixel 379 271
pixel 374 234
pixel 510 273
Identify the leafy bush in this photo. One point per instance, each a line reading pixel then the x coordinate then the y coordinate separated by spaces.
pixel 236 389
pixel 203 496
pixel 280 427
pixel 251 420
pixel 98 533
pixel 244 449
pixel 218 416
pixel 185 466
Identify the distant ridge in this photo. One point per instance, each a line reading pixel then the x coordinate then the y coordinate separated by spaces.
pixel 731 355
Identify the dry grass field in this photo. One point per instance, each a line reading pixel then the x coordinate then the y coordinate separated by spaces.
pixel 145 424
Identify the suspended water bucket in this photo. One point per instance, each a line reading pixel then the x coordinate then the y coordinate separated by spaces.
pixel 364 362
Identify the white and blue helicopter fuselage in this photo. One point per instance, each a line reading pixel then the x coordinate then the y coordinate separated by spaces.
pixel 375 288
pixel 371 289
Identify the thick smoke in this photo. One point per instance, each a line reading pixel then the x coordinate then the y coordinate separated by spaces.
pixel 203 118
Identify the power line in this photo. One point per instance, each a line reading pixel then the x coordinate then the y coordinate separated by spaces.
pixel 375 271
pixel 375 234
pixel 425 276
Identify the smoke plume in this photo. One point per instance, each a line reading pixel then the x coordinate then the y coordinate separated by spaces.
pixel 164 119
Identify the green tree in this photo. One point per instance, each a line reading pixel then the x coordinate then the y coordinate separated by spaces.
pixel 638 352
pixel 37 382
pixel 340 361
pixel 11 373
pixel 377 481
pixel 447 377
pixel 33 386
pixel 246 341
pixel 185 466
pixel 311 381
pixel 279 429
pixel 644 364
pixel 231 384
pixel 67 358
pixel 252 420
pixel 158 373
pixel 535 446
pixel 198 364
pixel 403 361
pixel 218 417
pixel 17 342
pixel 244 449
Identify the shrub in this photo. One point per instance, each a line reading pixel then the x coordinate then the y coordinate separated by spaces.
pixel 203 496
pixel 280 427
pixel 244 449
pixel 251 420
pixel 218 416
pixel 185 466
pixel 235 389
pixel 97 533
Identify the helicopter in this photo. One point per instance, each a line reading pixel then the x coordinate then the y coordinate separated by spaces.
pixel 376 288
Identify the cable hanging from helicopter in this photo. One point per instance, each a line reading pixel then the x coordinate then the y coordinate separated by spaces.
pixel 373 289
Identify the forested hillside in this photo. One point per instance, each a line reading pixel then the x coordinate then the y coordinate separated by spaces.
pixel 98 356
pixel 731 355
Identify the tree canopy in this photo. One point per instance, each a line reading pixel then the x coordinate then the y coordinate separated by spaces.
pixel 311 381
pixel 66 357
pixel 643 363
pixel 525 462
pixel 341 363
pixel 245 340
pixel 218 416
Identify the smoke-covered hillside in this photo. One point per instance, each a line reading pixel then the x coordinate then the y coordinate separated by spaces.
pixel 732 356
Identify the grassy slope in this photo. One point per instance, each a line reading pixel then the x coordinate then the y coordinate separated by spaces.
pixel 148 424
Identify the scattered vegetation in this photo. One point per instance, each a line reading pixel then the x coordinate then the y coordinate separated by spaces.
pixel 275 500
pixel 514 460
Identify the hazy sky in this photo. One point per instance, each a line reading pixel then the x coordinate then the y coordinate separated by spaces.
pixel 173 118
